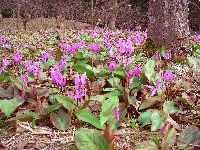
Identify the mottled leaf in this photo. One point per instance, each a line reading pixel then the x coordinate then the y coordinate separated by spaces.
pixel 144 118
pixel 191 135
pixel 30 114
pixel 146 145
pixel 107 107
pixel 61 120
pixel 9 106
pixel 114 124
pixel 90 139
pixel 170 107
pixel 150 101
pixel 52 108
pixel 157 120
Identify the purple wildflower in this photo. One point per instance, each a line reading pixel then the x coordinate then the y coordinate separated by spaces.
pixel 95 47
pixel 112 66
pixel 117 113
pixel 17 57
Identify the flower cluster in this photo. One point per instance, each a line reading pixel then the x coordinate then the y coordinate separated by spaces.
pixel 80 89
pixel 17 57
pixel 5 64
pixel 57 77
pixel 160 86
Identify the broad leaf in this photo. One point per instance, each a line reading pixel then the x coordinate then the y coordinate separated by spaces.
pixel 30 114
pixel 114 124
pixel 146 145
pixel 195 63
pixel 90 139
pixel 116 81
pixel 9 106
pixel 144 118
pixel 150 101
pixel 52 108
pixel 107 107
pixel 90 118
pixel 65 100
pixel 6 93
pixel 80 69
pixel 157 120
pixel 61 120
pixel 149 69
pixel 170 107
pixel 191 135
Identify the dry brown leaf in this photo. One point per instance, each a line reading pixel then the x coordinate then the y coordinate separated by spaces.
pixel 20 145
pixel 2 145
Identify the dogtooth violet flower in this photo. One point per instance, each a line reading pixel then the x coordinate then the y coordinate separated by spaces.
pixel 80 89
pixel 112 66
pixel 117 113
pixel 160 85
pixel 57 77
pixel 95 47
pixel 17 57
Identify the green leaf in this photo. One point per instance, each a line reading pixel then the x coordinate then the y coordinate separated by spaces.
pixel 65 100
pixel 144 118
pixel 30 114
pixel 80 69
pixel 170 139
pixel 90 139
pixel 136 59
pixel 191 135
pixel 114 124
pixel 5 75
pixel 149 69
pixel 61 120
pixel 116 81
pixel 99 98
pixel 163 51
pixel 90 118
pixel 146 145
pixel 9 106
pixel 150 101
pixel 78 55
pixel 108 89
pixel 107 107
pixel 52 108
pixel 119 73
pixel 157 120
pixel 113 93
pixel 103 72
pixel 170 107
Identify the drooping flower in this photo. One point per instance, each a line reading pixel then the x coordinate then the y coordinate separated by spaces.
pixel 17 57
pixel 95 47
pixel 5 63
pixel 112 66
pixel 80 89
pixel 117 113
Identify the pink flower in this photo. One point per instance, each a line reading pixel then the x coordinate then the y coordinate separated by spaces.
pixel 95 47
pixel 17 57
pixel 117 113
pixel 112 66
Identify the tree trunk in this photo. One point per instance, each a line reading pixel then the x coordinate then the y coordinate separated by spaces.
pixel 18 14
pixel 168 25
pixel 114 13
